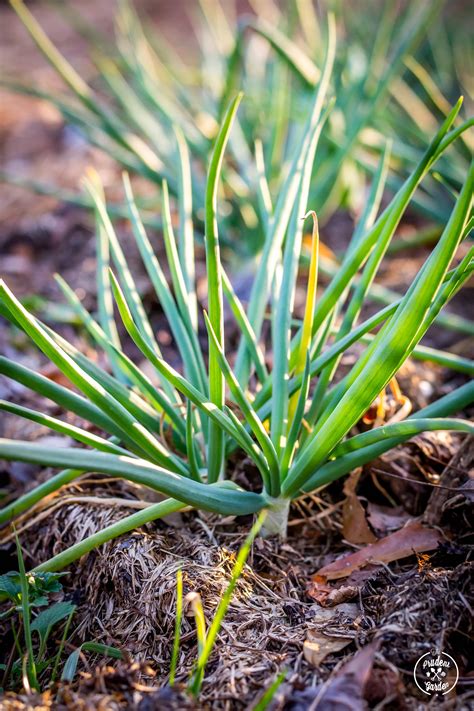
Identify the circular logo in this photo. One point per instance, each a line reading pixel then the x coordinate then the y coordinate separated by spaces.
pixel 436 673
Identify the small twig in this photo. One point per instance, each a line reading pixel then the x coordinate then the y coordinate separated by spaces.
pixel 416 481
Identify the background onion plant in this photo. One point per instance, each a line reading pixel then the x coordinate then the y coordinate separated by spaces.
pixel 173 433
pixel 385 83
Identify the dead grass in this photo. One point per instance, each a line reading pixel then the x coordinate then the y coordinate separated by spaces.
pixel 125 593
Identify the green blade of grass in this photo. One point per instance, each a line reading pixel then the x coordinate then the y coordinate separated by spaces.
pixel 140 409
pixel 302 359
pixel 355 305
pixel 264 196
pixel 186 234
pixel 157 398
pixel 448 405
pixel 264 702
pixel 128 523
pixel 283 209
pixel 28 500
pixel 216 380
pixel 83 92
pixel 177 626
pixel 192 358
pixel 62 396
pixel 251 418
pixel 281 323
pixel 179 382
pixel 125 275
pixel 190 446
pixel 91 388
pixel 65 428
pixel 136 113
pixel 296 59
pixel 179 284
pixel 247 444
pixel 101 126
pixel 105 303
pixel 451 284
pixel 434 355
pixel 156 83
pixel 218 498
pixel 309 23
pixel 70 666
pixel 384 226
pixel 390 347
pixel 62 643
pixel 372 93
pixel 408 429
pixel 246 329
pixel 70 76
pixel 263 399
pixel 223 606
pixel 382 295
pixel 382 230
pixel 296 420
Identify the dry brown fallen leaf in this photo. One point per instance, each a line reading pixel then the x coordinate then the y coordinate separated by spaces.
pixel 355 527
pixel 384 519
pixel 467 490
pixel 324 639
pixel 345 688
pixel 412 538
pixel 343 691
pixel 341 590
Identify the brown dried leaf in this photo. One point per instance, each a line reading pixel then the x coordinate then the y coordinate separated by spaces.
pixel 321 641
pixel 354 522
pixel 413 538
pixel 318 646
pixel 343 590
pixel 384 519
pixel 345 688
pixel 467 490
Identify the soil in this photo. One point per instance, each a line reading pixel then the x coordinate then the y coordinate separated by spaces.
pixel 380 620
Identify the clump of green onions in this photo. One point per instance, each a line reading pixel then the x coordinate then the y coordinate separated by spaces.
pixel 174 433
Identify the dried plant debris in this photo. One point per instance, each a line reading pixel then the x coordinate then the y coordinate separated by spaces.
pixel 452 503
pixel 408 473
pixel 356 528
pixel 417 611
pixel 412 538
pixel 104 688
pixel 126 592
pixel 343 690
pixel 332 629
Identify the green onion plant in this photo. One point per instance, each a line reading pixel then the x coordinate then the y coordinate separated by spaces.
pixel 294 419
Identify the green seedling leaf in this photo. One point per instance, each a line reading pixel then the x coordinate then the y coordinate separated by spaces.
pixel 215 459
pixel 177 626
pixel 71 664
pixel 208 639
